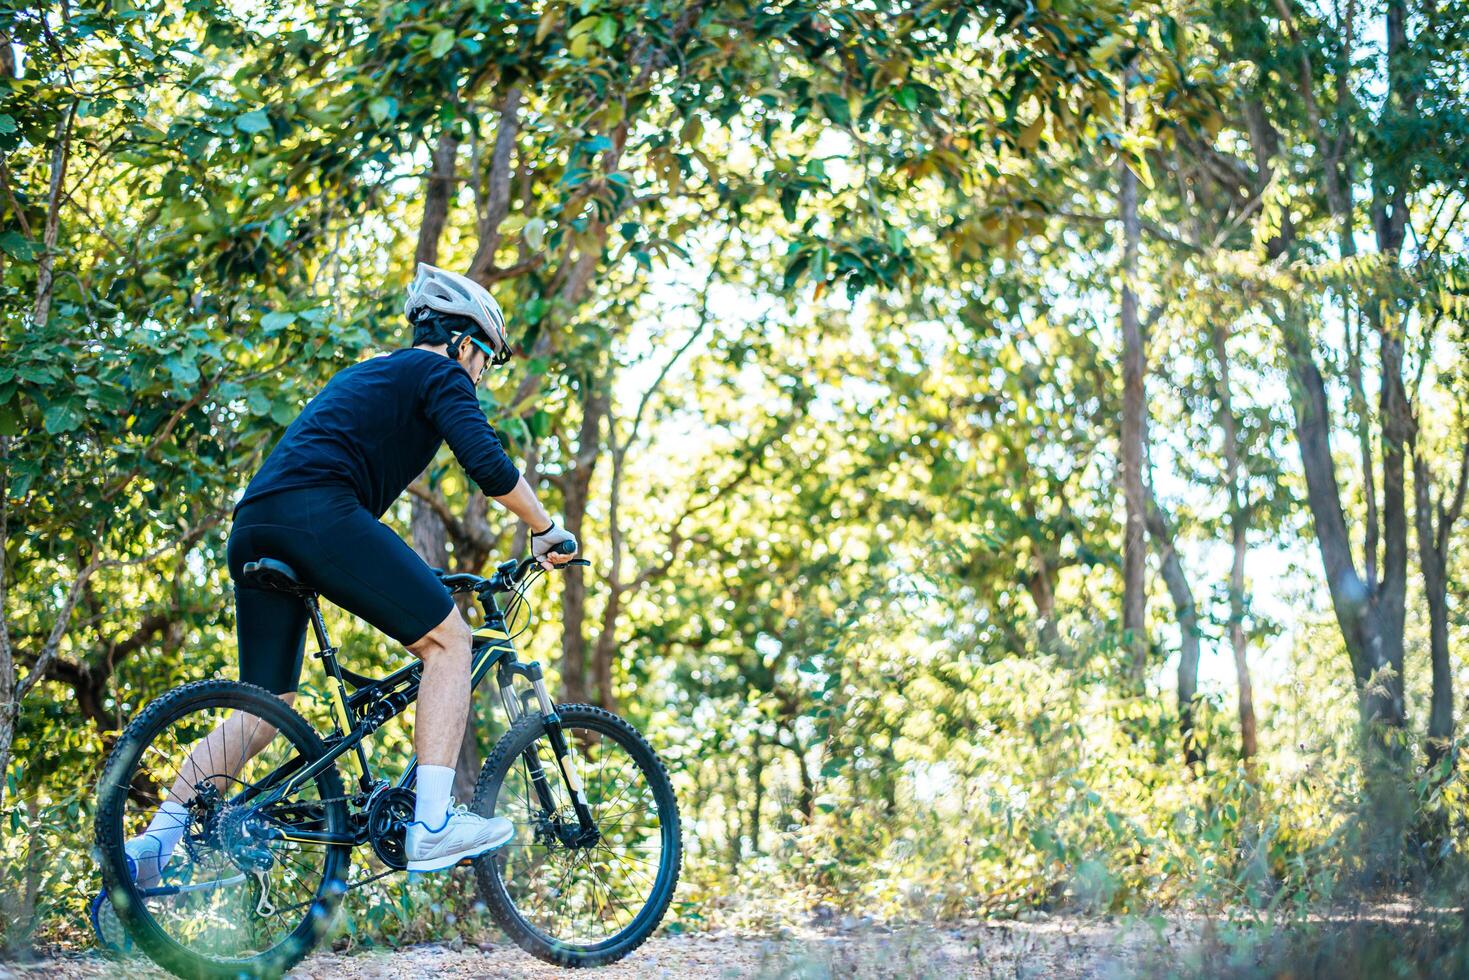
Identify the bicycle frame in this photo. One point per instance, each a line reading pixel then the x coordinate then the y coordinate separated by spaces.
pixel 376 702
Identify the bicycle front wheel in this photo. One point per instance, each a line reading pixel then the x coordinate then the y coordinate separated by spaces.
pixel 236 896
pixel 566 896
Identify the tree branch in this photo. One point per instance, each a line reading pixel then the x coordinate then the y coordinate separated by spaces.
pixel 58 630
pixel 496 194
pixel 698 331
pixel 60 156
pixel 445 513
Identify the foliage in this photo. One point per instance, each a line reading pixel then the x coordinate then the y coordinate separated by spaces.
pixel 819 304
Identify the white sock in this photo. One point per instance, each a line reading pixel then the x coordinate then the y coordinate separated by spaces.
pixel 168 826
pixel 434 784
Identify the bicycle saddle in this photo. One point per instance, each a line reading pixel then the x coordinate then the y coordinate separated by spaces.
pixel 274 574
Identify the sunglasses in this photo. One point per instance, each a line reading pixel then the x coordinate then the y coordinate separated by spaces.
pixel 489 352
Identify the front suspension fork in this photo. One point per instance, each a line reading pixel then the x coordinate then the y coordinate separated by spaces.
pixel 565 762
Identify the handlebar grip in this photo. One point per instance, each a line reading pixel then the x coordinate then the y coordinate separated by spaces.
pixel 563 548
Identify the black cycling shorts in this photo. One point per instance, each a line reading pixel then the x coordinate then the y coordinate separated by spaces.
pixel 342 551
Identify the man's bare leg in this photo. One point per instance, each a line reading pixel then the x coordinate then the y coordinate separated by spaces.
pixel 443 709
pixel 438 839
pixel 224 752
pixel 217 758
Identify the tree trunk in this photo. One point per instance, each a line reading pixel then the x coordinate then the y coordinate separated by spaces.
pixel 1370 627
pixel 1435 527
pixel 1043 594
pixel 605 649
pixel 806 801
pixel 436 197
pixel 45 266
pixel 9 709
pixel 1188 628
pixel 757 794
pixel 1238 530
pixel 1248 744
pixel 577 481
pixel 1397 436
pixel 1134 608
pixel 806 798
pixel 1364 629
pixel 1435 590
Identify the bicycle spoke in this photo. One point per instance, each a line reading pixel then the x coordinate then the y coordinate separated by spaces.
pixel 208 898
pixel 582 895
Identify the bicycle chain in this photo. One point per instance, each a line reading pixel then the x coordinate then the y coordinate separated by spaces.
pixel 350 885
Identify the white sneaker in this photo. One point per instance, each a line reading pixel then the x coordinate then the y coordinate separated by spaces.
pixel 463 835
pixel 146 859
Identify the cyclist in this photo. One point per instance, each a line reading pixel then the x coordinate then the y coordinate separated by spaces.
pixel 316 504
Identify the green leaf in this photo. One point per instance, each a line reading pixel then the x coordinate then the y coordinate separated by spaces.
pixel 10 418
pixel 382 108
pixel 18 246
pixel 254 121
pixel 276 321
pixel 259 402
pixel 7 124
pixel 582 26
pixel 182 367
pixel 283 412
pixel 836 107
pixel 535 233
pixel 606 31
pixel 540 423
pixel 61 417
pixel 442 42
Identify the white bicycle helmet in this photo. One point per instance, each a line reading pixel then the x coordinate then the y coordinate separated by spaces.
pixel 448 292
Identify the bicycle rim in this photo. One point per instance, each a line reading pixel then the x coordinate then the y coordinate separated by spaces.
pixel 580 905
pixel 213 909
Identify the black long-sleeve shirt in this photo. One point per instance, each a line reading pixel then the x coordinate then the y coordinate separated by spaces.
pixel 377 424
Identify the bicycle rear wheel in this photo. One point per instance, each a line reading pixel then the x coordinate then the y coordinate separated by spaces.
pixel 563 898
pixel 234 899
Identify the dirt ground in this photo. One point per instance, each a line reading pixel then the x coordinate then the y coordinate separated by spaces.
pixel 1058 947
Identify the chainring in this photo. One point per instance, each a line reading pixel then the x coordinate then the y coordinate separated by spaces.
pixel 388 816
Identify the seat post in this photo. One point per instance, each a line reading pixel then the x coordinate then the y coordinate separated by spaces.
pixel 323 644
pixel 328 655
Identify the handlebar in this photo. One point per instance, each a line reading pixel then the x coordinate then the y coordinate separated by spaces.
pixel 507 576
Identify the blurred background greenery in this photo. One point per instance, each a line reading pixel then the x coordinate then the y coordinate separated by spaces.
pixel 1021 446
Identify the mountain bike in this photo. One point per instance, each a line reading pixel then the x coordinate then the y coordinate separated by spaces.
pixel 266 855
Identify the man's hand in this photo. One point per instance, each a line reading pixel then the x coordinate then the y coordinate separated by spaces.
pixel 523 504
pixel 541 543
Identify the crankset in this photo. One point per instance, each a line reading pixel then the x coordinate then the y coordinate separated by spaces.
pixel 388 814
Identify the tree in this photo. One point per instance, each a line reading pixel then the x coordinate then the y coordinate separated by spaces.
pixel 1130 462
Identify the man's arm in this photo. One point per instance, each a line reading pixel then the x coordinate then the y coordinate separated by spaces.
pixel 523 504
pixel 450 403
pixel 545 534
